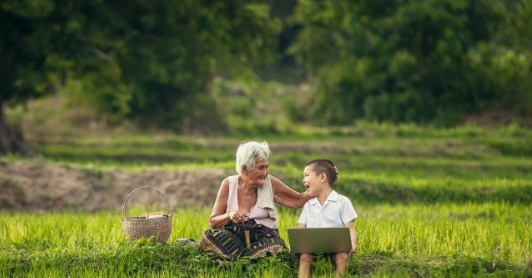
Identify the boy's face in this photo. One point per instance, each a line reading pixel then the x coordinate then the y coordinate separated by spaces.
pixel 313 182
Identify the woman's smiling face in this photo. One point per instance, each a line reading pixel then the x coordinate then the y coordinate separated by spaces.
pixel 259 173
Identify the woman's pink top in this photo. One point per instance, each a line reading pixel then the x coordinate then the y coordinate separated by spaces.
pixel 260 215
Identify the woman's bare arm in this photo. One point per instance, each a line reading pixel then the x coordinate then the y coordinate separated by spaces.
pixel 219 217
pixel 286 196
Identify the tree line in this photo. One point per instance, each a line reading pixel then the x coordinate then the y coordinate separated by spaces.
pixel 421 61
pixel 416 61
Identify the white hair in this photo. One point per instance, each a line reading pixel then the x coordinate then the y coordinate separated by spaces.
pixel 248 152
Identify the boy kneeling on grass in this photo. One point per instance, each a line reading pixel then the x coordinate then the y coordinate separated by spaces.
pixel 328 209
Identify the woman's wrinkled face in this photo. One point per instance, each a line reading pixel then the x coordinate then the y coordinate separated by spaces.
pixel 259 173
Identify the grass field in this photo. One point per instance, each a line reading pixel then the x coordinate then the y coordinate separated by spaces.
pixel 431 203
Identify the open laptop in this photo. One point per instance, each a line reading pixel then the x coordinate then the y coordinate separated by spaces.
pixel 319 240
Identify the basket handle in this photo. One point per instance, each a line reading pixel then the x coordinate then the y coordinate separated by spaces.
pixel 124 207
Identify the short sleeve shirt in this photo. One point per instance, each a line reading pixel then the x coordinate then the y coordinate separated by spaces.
pixel 336 212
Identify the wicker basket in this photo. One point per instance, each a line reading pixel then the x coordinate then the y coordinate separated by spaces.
pixel 142 227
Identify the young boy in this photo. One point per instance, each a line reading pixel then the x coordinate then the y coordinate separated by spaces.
pixel 328 209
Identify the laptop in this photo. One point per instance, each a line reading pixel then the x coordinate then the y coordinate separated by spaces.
pixel 319 240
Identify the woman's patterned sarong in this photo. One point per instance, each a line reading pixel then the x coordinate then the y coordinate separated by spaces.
pixel 231 241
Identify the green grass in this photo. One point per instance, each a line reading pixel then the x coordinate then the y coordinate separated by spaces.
pixel 431 203
pixel 469 239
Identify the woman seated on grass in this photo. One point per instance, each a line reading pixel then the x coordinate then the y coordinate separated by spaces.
pixel 328 209
pixel 244 213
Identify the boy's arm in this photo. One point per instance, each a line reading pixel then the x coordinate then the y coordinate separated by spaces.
pixel 353 233
pixel 301 225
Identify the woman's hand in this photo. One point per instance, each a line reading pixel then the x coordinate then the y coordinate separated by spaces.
pixel 306 195
pixel 236 216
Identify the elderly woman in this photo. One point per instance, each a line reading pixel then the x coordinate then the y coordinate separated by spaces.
pixel 244 215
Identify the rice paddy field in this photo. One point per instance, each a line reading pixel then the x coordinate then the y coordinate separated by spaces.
pixel 431 203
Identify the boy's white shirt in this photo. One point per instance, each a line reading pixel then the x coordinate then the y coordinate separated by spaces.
pixel 336 212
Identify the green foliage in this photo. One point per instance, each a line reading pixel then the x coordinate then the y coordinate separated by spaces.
pixel 248 108
pixel 415 61
pixel 21 49
pixel 151 61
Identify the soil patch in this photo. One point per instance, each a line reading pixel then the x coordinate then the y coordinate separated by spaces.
pixel 34 186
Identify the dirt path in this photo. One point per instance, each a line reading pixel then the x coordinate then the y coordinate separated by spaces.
pixel 34 186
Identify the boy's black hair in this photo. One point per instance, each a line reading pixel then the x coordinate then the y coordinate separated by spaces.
pixel 324 166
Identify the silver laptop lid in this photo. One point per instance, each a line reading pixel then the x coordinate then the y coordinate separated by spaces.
pixel 319 240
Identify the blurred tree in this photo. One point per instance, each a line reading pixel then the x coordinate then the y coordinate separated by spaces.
pixel 407 61
pixel 169 54
pixel 284 10
pixel 516 58
pixel 140 59
pixel 22 45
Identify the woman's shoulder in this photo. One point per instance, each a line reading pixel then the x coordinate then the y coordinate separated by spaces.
pixel 226 181
pixel 275 181
pixel 232 179
pixel 230 182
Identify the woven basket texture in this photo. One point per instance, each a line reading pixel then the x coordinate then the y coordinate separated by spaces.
pixel 139 227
